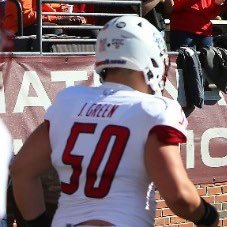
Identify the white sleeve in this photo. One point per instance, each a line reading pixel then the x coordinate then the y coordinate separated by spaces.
pixel 6 151
pixel 173 116
pixel 51 110
pixel 166 112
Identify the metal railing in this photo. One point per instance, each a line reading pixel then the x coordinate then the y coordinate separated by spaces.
pixel 46 40
pixel 19 16
pixel 77 40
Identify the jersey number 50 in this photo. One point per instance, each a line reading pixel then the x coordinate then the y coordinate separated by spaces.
pixel 120 134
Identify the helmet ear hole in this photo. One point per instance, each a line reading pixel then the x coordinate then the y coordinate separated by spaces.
pixel 150 75
pixel 154 63
pixel 102 75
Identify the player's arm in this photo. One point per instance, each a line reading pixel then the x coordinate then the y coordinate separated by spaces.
pixel 31 161
pixel 165 167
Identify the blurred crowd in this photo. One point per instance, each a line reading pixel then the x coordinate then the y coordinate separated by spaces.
pixel 190 20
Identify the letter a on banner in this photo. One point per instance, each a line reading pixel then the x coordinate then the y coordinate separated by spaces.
pixel 69 77
pixel 31 79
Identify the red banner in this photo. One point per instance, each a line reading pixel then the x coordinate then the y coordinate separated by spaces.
pixel 31 84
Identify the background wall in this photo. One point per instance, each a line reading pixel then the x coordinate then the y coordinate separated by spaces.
pixel 213 193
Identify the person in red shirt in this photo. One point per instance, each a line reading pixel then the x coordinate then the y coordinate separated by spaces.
pixel 190 23
pixel 29 11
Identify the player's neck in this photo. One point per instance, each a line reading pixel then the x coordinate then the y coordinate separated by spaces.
pixel 134 80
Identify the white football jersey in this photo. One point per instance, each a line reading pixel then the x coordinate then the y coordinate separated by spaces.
pixel 5 156
pixel 97 136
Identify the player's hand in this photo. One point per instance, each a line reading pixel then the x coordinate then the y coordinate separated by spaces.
pixel 78 20
pixel 63 21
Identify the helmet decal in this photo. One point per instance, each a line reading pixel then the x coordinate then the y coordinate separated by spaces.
pixel 120 24
pixel 117 42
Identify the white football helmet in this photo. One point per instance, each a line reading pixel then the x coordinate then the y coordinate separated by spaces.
pixel 131 42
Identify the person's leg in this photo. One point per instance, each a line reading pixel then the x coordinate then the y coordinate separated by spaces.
pixel 83 33
pixel 204 41
pixel 180 38
pixel 33 44
pixel 55 31
pixel 33 29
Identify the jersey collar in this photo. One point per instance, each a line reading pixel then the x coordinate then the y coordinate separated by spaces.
pixel 116 86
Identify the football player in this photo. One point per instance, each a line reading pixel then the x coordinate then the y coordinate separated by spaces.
pixel 110 144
